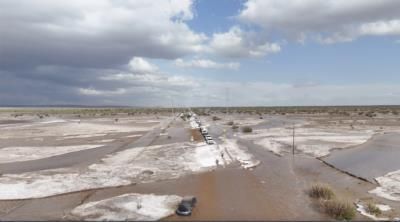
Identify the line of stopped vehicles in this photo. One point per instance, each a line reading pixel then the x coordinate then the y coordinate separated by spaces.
pixel 196 124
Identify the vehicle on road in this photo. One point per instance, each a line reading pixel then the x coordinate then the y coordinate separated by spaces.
pixel 210 141
pixel 186 206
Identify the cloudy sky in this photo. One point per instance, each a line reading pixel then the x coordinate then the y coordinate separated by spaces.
pixel 199 52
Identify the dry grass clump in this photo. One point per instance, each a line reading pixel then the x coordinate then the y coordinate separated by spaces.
pixel 321 191
pixel 247 129
pixel 339 210
pixel 230 123
pixel 235 127
pixel 373 209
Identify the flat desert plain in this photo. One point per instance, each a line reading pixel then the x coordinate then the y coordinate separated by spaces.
pixel 138 164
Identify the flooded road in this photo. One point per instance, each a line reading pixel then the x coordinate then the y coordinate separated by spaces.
pixel 377 157
pixel 269 192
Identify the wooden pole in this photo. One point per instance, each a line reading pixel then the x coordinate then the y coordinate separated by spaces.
pixel 293 140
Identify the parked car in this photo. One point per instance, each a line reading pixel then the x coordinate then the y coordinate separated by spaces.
pixel 210 141
pixel 186 206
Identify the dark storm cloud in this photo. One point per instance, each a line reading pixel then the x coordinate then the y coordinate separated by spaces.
pixel 51 50
pixel 100 33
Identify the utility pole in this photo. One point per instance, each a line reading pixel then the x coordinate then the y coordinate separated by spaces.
pixel 172 106
pixel 226 100
pixel 293 146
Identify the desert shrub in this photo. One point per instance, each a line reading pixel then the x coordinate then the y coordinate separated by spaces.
pixel 370 114
pixel 321 191
pixel 373 209
pixel 339 210
pixel 230 123
pixel 215 118
pixel 247 129
pixel 235 127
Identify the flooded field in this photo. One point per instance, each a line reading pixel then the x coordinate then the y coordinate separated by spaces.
pixel 64 166
pixel 377 157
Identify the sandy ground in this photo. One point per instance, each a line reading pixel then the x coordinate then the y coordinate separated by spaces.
pixel 153 160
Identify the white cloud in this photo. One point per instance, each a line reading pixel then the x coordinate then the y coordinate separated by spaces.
pixel 328 21
pixel 148 87
pixel 150 80
pixel 238 43
pixel 140 65
pixel 391 27
pixel 144 74
pixel 157 88
pixel 206 64
pixel 95 92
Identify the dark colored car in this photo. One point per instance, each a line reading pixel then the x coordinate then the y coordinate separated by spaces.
pixel 186 205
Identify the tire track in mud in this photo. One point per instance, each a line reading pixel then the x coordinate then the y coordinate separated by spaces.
pixel 7 207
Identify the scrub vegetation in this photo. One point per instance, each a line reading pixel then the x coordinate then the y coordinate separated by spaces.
pixel 247 129
pixel 338 209
pixel 321 191
pixel 367 111
pixel 373 209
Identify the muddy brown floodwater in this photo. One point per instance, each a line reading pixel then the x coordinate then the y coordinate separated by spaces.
pixel 275 190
